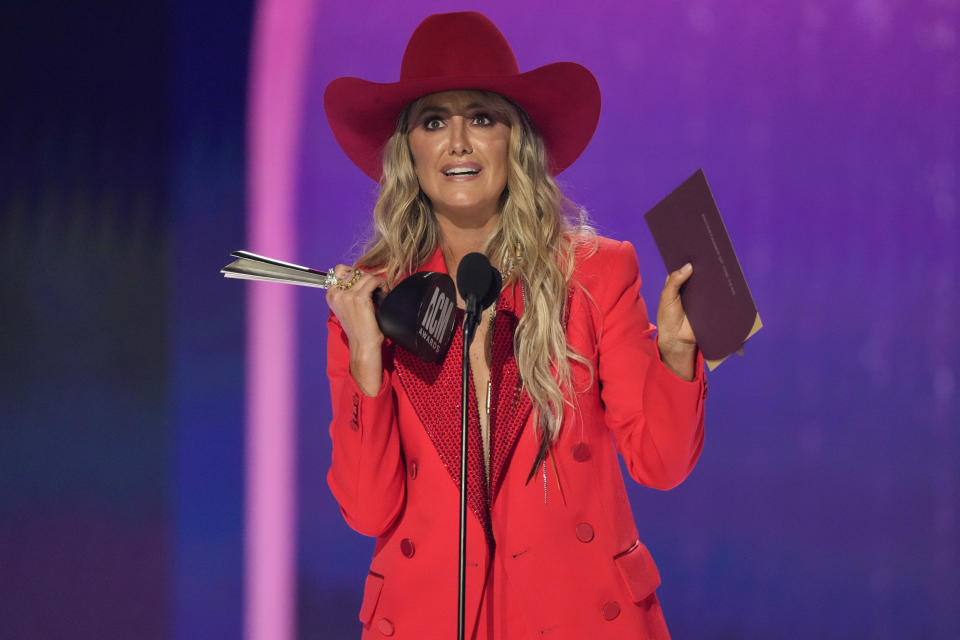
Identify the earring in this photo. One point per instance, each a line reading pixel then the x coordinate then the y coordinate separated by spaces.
pixel 514 261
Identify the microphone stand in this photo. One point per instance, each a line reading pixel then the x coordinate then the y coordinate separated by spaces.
pixel 479 284
pixel 470 321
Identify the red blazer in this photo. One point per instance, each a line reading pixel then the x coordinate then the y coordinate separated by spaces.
pixel 558 557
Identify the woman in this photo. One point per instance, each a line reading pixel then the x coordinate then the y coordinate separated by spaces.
pixel 464 147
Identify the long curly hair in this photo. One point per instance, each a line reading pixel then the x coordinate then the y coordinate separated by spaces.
pixel 536 240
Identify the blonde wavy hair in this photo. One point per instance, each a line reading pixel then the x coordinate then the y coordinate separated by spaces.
pixel 538 233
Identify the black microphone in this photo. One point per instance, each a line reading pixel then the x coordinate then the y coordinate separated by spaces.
pixel 478 282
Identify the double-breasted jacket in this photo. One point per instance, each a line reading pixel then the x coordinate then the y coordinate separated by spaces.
pixel 555 557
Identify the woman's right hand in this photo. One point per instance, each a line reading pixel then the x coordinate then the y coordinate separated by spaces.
pixel 355 312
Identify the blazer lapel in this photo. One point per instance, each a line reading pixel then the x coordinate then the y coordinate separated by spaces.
pixel 434 391
pixel 509 406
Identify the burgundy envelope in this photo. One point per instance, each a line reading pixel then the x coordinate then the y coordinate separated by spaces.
pixel 687 227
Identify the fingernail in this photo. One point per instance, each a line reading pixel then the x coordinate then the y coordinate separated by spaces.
pixel 686 268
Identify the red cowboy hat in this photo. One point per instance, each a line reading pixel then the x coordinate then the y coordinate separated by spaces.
pixel 464 51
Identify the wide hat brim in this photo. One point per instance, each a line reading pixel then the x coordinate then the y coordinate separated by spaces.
pixel 562 100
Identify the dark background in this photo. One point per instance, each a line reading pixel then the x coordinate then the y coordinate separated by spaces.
pixel 121 365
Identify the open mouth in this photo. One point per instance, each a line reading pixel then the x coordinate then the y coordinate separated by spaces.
pixel 461 171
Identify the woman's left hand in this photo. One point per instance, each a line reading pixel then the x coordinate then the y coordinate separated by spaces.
pixel 675 339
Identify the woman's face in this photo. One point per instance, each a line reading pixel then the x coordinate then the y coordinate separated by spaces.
pixel 459 150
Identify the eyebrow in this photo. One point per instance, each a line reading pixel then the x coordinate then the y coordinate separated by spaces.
pixel 446 111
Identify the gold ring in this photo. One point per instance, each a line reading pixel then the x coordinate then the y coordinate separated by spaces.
pixel 343 286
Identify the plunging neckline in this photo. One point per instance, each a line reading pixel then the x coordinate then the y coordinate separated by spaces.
pixel 482 375
pixel 433 390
